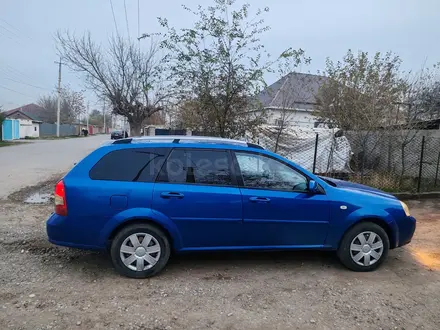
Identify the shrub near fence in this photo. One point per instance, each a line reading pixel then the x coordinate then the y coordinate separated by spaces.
pixel 393 161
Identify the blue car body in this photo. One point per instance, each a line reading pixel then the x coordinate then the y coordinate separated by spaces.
pixel 221 217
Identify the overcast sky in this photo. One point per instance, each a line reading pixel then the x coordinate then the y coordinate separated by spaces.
pixel 323 28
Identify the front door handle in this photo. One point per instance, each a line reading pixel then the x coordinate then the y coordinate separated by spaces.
pixel 171 194
pixel 259 200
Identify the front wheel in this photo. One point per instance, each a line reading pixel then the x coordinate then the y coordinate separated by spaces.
pixel 364 247
pixel 140 250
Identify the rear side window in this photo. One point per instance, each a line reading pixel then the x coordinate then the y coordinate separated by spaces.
pixel 141 165
pixel 207 167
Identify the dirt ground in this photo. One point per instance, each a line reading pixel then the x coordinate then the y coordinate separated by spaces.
pixel 48 287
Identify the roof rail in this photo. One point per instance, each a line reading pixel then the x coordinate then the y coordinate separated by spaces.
pixel 185 139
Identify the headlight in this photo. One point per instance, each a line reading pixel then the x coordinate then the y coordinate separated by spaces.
pixel 405 208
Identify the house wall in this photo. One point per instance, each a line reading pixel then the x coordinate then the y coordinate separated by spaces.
pixel 294 118
pixel 28 128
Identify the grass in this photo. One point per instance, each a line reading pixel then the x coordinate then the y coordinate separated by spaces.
pixel 6 143
pixel 61 137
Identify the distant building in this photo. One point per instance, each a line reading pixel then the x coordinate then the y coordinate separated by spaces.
pixel 294 96
pixel 35 111
pixel 29 124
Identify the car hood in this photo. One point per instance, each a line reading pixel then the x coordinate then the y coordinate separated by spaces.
pixel 357 186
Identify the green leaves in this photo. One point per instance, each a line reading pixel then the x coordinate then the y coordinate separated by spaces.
pixel 217 67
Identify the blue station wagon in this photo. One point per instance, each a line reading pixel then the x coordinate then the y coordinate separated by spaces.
pixel 142 198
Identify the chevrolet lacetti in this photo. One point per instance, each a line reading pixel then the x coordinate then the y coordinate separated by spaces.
pixel 143 198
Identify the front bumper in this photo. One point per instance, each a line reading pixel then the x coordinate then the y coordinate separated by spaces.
pixel 407 227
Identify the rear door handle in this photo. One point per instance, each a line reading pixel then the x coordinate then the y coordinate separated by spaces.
pixel 259 200
pixel 171 194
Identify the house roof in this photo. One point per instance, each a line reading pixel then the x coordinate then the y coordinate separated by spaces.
pixel 31 117
pixel 291 90
pixel 33 111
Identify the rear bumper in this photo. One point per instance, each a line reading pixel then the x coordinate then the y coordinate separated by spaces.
pixel 60 233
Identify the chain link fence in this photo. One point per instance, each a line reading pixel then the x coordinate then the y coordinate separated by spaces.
pixel 391 160
pixel 394 161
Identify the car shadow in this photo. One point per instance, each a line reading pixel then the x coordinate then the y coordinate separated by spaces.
pixel 222 264
pixel 252 260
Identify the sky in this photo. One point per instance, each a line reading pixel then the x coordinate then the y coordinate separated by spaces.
pixel 323 28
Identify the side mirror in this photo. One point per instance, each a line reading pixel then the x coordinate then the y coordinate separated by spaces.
pixel 313 186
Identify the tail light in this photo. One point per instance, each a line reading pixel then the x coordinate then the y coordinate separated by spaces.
pixel 60 199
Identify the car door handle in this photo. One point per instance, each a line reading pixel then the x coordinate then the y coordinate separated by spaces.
pixel 171 195
pixel 259 200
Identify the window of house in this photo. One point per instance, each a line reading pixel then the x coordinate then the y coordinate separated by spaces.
pixel 35 128
pixel 141 165
pixel 207 167
pixel 259 171
pixel 278 122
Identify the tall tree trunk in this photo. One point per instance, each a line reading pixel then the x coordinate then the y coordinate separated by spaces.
pixel 135 129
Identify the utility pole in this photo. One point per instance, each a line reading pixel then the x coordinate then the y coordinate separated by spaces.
pixel 59 96
pixel 87 115
pixel 103 115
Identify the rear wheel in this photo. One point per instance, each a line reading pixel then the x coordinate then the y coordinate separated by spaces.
pixel 364 247
pixel 140 250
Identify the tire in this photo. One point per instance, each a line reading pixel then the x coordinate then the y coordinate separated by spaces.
pixel 349 254
pixel 144 263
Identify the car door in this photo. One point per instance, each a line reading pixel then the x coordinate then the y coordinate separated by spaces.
pixel 197 191
pixel 278 210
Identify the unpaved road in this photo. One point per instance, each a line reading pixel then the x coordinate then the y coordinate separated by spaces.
pixel 27 164
pixel 48 287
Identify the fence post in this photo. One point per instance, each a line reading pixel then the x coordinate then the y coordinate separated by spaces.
pixel 316 151
pixel 421 164
pixel 436 171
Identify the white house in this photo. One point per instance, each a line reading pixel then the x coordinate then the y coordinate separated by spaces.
pixel 292 100
pixel 29 125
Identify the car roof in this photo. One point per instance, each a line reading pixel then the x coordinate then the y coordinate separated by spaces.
pixel 179 140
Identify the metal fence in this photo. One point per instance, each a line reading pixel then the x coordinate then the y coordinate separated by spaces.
pixel 396 161
pixel 65 130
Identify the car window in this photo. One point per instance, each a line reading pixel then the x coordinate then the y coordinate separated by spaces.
pixel 198 167
pixel 259 171
pixel 141 165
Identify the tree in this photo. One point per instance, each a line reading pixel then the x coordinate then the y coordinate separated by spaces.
pixel 72 105
pixel 131 79
pixel 96 117
pixel 217 68
pixel 292 91
pixel 359 95
pixel 420 102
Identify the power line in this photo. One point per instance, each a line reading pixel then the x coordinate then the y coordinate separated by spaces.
pixel 11 32
pixel 126 19
pixel 15 71
pixel 114 17
pixel 20 82
pixel 14 91
pixel 14 28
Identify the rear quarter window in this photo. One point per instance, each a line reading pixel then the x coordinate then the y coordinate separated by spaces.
pixel 134 165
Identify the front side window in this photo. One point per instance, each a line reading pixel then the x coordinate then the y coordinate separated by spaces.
pixel 259 171
pixel 141 165
pixel 207 167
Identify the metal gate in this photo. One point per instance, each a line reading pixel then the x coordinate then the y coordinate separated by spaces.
pixel 11 129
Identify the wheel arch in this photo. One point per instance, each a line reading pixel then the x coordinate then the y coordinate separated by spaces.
pixel 378 221
pixel 139 220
